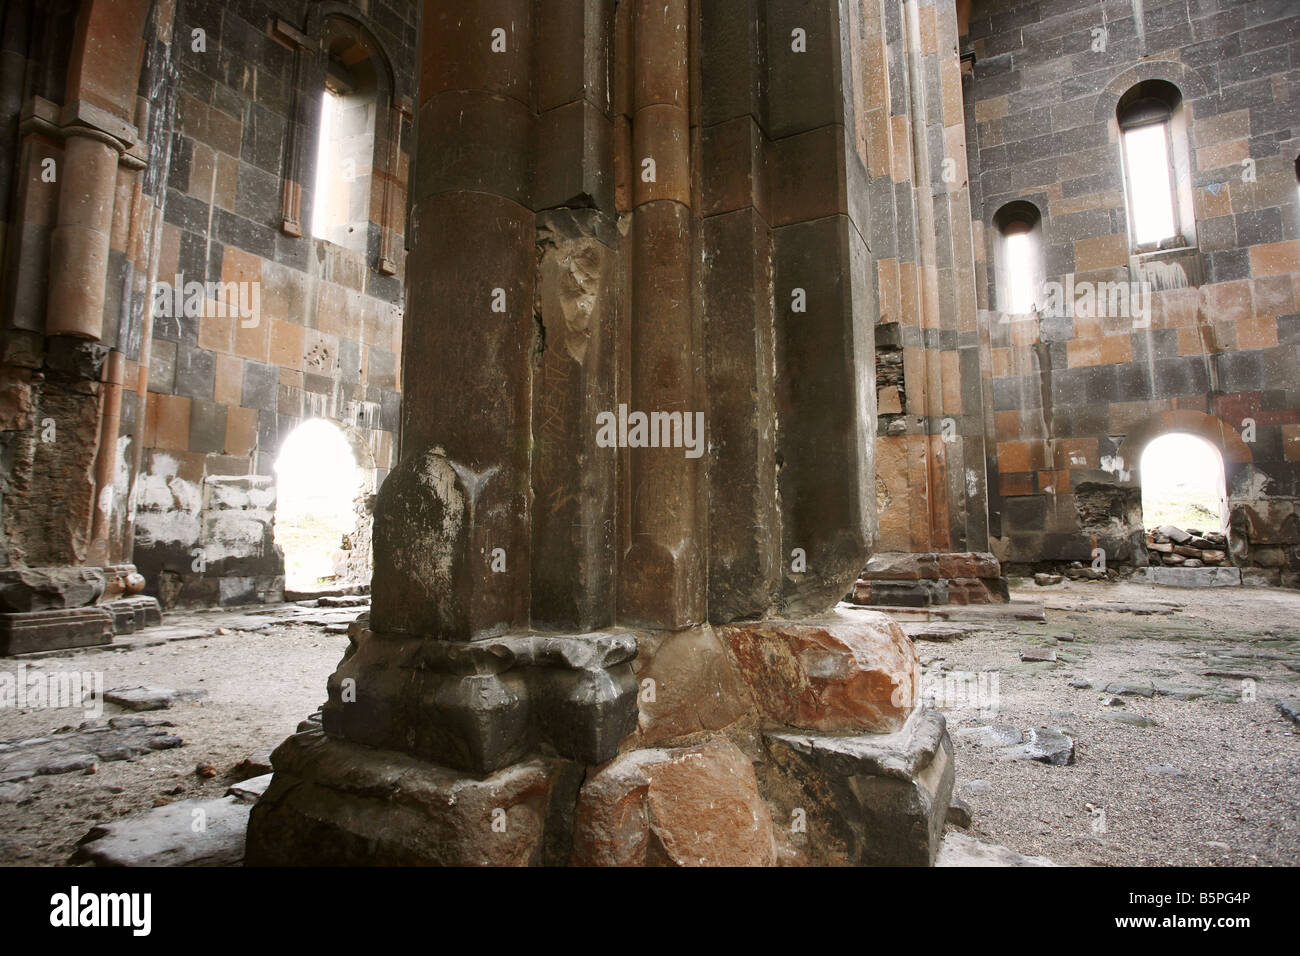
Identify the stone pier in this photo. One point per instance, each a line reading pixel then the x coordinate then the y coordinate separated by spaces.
pixel 638 463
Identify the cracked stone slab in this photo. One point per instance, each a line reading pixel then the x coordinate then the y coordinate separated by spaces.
pixel 81 748
pixel 185 833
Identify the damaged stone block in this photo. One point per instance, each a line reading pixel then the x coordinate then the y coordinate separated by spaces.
pixel 690 806
pixel 335 803
pixel 837 674
pixel 868 800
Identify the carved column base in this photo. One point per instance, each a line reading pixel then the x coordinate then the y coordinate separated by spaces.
pixel 335 803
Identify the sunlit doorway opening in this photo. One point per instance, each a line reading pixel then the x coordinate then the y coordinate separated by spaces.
pixel 1183 484
pixel 318 487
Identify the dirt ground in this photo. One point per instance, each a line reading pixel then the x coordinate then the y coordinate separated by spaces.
pixel 1209 780
pixel 259 686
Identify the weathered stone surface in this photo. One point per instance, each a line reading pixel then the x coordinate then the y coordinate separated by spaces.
pixel 482 705
pixel 1045 746
pixel 874 800
pixel 691 806
pixel 833 674
pixel 1290 709
pixel 968 564
pixel 900 593
pixel 992 735
pixel 27 633
pixel 900 566
pixel 119 738
pixel 1037 654
pixel 694 684
pixel 334 803
pixel 250 790
pixel 43 589
pixel 167 836
pixel 149 698
pixel 1185 577
pixel 962 850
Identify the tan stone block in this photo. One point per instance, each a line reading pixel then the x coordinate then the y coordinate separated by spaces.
pixel 1024 331
pixel 241 430
pixel 1275 258
pixel 1228 301
pixel 286 345
pixel 216 332
pixel 887 289
pixel 1175 308
pixel 1257 333
pixel 228 384
pixel 1087 327
pixel 1001 359
pixel 1116 350
pixel 1189 341
pixel 1230 153
pixel 951 366
pixel 1083 352
pixel 172 428
pixel 991 109
pixel 252 341
pixel 1211 205
pixel 1100 252
pixel 901 145
pixel 888 401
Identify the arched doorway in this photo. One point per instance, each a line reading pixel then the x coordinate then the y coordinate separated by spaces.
pixel 322 497
pixel 1183 483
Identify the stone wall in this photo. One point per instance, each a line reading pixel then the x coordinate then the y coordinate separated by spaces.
pixel 226 389
pixel 1074 399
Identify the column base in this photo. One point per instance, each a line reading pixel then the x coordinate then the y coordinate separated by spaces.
pixel 335 803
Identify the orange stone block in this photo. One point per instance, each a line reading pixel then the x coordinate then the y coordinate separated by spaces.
pixel 1257 333
pixel 172 421
pixel 1275 258
pixel 228 385
pixel 1014 485
pixel 241 431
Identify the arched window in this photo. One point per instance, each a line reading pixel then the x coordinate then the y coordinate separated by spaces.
pixel 1018 257
pixel 1157 175
pixel 350 103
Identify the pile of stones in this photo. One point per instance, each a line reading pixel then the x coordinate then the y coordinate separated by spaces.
pixel 1189 548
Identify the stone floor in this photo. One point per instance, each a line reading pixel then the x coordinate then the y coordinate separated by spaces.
pixel 1179 753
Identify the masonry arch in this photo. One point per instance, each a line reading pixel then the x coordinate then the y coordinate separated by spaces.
pixel 325 485
pixel 1234 453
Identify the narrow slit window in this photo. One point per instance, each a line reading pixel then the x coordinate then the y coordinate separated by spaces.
pixel 1150 185
pixel 1018 254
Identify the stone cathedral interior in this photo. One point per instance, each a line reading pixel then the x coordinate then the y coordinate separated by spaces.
pixel 623 433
